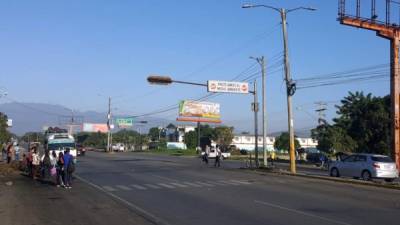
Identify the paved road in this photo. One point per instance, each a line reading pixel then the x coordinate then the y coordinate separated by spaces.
pixel 179 190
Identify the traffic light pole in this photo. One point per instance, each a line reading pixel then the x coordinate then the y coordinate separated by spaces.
pixel 255 109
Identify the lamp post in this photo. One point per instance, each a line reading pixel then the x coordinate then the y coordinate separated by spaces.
pixel 290 85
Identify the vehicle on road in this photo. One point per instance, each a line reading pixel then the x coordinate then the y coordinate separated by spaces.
pixel 80 150
pixel 119 147
pixel 59 141
pixel 365 166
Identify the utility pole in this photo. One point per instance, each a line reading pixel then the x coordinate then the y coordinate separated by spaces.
pixel 109 125
pixel 391 32
pixel 198 135
pixel 261 61
pixel 290 89
pixel 255 109
pixel 290 85
pixel 321 112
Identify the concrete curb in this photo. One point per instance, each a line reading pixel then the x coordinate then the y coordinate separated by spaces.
pixel 331 179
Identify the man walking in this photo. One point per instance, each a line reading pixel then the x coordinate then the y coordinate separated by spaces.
pixel 218 155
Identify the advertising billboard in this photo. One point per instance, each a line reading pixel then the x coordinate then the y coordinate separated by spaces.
pixel 228 87
pixel 199 109
pixel 95 127
pixel 124 122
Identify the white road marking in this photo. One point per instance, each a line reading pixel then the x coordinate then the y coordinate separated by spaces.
pixel 204 184
pixel 123 187
pixel 139 210
pixel 230 183
pixel 166 185
pixel 240 181
pixel 108 188
pixel 138 187
pixel 216 183
pixel 301 212
pixel 152 186
pixel 192 184
pixel 179 185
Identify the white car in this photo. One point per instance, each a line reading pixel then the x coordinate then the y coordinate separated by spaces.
pixel 365 166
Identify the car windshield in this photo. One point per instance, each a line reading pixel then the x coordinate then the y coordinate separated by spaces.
pixel 381 159
pixel 57 146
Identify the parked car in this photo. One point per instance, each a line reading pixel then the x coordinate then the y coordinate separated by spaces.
pixel 80 150
pixel 365 166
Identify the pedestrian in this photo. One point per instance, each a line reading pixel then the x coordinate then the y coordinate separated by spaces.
pixel 17 152
pixel 9 152
pixel 60 170
pixel 29 162
pixel 69 168
pixel 273 156
pixel 4 151
pixel 218 155
pixel 35 163
pixel 207 154
pixel 45 165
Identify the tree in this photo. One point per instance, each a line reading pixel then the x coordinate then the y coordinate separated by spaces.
pixel 190 139
pixel 4 134
pixel 155 133
pixel 366 120
pixel 282 142
pixel 333 138
pixel 223 135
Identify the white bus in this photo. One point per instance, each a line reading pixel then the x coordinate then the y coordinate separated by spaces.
pixel 59 142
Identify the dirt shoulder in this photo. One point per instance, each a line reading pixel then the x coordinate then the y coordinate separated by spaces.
pixel 24 201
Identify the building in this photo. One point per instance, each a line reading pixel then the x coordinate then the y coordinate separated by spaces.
pixel 247 142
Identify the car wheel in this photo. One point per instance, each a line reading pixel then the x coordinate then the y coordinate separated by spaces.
pixel 366 175
pixel 390 180
pixel 335 172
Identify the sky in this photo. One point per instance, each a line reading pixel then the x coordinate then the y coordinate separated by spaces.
pixel 78 53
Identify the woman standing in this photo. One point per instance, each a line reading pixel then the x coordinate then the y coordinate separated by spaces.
pixel 60 169
pixel 35 162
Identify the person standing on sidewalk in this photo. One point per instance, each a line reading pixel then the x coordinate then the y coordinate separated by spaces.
pixel 60 170
pixel 68 163
pixel 35 163
pixel 9 152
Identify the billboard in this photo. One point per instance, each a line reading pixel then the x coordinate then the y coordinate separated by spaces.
pixel 228 87
pixel 9 123
pixel 199 109
pixel 95 127
pixel 124 122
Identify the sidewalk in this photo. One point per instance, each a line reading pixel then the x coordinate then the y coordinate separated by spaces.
pixel 25 201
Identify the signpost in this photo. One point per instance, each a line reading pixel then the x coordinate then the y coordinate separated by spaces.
pixel 124 122
pixel 228 87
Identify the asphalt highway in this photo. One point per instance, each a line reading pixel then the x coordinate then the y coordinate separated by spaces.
pixel 183 191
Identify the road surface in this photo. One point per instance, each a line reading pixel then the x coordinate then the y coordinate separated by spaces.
pixel 182 191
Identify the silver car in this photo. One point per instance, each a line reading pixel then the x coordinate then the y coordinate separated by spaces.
pixel 366 166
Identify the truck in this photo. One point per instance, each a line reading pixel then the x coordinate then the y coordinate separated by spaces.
pixel 59 140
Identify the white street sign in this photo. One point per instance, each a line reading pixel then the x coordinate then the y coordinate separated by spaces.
pixel 228 87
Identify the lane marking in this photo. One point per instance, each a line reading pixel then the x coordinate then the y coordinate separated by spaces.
pixel 152 186
pixel 123 187
pixel 141 212
pixel 138 187
pixel 216 183
pixel 204 184
pixel 301 212
pixel 166 185
pixel 108 188
pixel 227 182
pixel 241 182
pixel 192 184
pixel 179 185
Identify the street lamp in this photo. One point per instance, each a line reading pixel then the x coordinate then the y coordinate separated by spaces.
pixel 290 85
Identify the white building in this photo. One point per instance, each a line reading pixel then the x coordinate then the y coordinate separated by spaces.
pixel 247 142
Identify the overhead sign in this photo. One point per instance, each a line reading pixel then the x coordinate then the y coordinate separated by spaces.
pixel 228 87
pixel 199 109
pixel 95 127
pixel 124 122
